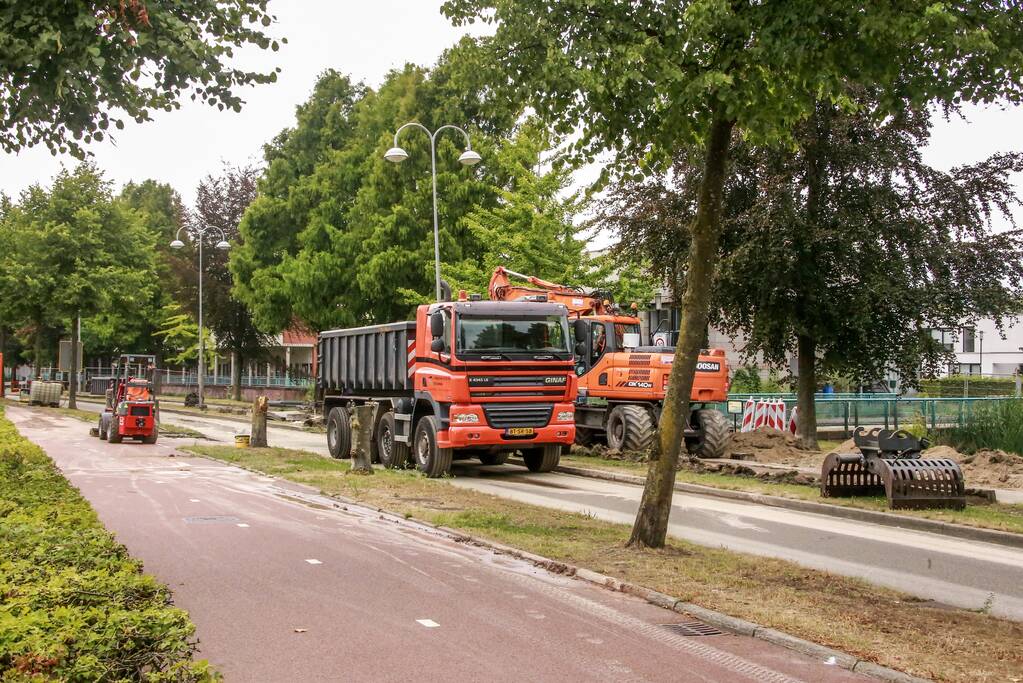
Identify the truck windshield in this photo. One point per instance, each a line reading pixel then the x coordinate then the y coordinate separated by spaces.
pixel 547 334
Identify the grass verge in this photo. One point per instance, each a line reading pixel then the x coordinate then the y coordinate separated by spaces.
pixel 996 516
pixel 873 623
pixel 74 606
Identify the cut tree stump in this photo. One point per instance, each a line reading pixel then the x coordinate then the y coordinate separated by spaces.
pixel 363 420
pixel 257 439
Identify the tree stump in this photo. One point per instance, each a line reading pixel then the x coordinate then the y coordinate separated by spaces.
pixel 257 439
pixel 363 420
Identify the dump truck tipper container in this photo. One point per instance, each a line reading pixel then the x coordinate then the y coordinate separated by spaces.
pixel 466 379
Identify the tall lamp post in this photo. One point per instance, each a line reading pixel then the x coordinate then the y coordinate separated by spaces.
pixel 469 158
pixel 199 235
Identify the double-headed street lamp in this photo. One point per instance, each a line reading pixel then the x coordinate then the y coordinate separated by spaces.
pixel 469 158
pixel 199 235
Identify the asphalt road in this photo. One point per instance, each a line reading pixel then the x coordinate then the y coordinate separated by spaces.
pixel 286 585
pixel 949 571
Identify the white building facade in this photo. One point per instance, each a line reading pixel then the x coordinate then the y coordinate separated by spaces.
pixel 984 350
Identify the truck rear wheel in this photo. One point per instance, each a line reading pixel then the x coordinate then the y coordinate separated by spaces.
pixel 339 433
pixel 113 431
pixel 542 459
pixel 431 460
pixel 714 434
pixel 498 458
pixel 583 436
pixel 393 455
pixel 151 438
pixel 630 428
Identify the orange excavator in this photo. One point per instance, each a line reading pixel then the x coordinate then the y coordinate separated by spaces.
pixel 621 382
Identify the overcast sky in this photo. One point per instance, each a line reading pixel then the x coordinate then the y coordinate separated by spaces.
pixel 365 39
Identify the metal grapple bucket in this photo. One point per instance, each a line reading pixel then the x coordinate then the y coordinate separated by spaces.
pixel 889 462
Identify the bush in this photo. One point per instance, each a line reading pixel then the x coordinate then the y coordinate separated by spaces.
pixel 992 424
pixel 73 605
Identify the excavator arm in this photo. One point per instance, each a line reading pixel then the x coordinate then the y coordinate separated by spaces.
pixel 579 301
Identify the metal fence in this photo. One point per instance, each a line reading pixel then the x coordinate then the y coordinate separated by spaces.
pixel 881 410
pixel 186 378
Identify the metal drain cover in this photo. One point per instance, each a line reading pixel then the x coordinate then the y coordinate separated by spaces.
pixel 692 629
pixel 211 519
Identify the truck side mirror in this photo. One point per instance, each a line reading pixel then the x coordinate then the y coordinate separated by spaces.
pixel 437 345
pixel 581 329
pixel 437 324
pixel 580 349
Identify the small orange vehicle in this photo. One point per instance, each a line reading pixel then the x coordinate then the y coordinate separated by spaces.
pixel 131 409
pixel 622 383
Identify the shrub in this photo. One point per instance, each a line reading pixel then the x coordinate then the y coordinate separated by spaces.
pixel 74 606
pixel 960 385
pixel 994 425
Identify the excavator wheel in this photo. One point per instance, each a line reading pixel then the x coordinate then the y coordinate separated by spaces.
pixel 630 428
pixel 715 434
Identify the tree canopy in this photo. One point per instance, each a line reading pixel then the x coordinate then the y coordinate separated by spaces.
pixel 70 70
pixel 339 236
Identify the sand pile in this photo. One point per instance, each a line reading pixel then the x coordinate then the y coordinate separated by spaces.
pixel 775 446
pixel 985 468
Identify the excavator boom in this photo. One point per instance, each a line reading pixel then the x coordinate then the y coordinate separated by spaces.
pixel 579 301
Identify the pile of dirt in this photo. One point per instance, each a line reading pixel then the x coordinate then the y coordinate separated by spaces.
pixel 775 446
pixel 740 470
pixel 985 468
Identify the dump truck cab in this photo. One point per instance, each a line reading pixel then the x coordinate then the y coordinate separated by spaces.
pixel 131 409
pixel 477 379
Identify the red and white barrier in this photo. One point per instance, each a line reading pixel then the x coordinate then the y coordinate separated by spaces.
pixel 747 415
pixel 792 419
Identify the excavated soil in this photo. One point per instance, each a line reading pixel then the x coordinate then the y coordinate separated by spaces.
pixel 986 468
pixel 775 446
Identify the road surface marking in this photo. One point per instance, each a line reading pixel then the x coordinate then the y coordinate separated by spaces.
pixel 193 500
pixel 246 526
pixel 311 561
pixel 428 623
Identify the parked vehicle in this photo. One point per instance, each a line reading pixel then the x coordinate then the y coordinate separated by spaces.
pixel 131 409
pixel 622 383
pixel 466 379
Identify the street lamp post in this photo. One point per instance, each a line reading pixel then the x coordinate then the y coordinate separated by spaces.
pixel 980 333
pixel 200 236
pixel 468 158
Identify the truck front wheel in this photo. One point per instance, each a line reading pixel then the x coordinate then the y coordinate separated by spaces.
pixel 542 459
pixel 431 460
pixel 339 433
pixel 393 455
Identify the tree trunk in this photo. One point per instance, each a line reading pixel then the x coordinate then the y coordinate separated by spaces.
pixel 257 438
pixel 806 366
pixel 72 386
pixel 651 525
pixel 3 347
pixel 363 419
pixel 37 353
pixel 236 375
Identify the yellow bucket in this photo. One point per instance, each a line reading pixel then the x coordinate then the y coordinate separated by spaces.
pixel 241 441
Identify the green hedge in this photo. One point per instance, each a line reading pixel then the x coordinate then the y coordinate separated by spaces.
pixel 73 605
pixel 978 386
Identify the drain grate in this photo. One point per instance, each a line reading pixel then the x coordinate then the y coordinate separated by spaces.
pixel 692 629
pixel 211 519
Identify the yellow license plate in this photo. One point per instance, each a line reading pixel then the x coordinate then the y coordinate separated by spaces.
pixel 520 431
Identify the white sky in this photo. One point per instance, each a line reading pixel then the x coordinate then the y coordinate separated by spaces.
pixel 365 39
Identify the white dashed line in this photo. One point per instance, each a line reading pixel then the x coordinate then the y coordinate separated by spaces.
pixel 314 561
pixel 193 500
pixel 246 526
pixel 428 623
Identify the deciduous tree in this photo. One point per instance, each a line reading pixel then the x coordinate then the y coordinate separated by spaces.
pixel 641 80
pixel 70 70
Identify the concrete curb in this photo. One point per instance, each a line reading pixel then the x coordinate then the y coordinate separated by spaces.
pixel 968 533
pixel 714 618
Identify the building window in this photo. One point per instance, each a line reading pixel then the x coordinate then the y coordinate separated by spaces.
pixel 944 337
pixel 969 368
pixel 969 339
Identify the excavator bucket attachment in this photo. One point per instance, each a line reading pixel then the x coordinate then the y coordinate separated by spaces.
pixel 924 483
pixel 889 463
